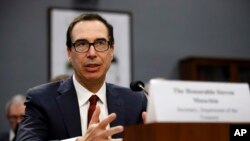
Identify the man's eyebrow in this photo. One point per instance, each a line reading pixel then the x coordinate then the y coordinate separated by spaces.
pixel 97 39
pixel 100 39
pixel 78 40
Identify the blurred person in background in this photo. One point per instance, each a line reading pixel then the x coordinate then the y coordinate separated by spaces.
pixel 15 110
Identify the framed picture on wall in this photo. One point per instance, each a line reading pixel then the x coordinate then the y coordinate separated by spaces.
pixel 120 70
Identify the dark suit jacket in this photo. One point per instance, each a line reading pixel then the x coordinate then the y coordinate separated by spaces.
pixel 52 111
pixel 4 136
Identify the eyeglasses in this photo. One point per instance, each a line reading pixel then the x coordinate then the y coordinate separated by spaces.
pixel 15 117
pixel 84 46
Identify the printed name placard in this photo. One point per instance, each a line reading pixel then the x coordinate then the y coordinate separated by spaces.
pixel 195 101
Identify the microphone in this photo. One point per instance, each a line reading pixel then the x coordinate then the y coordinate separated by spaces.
pixel 138 86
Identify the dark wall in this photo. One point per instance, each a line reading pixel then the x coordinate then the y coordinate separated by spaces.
pixel 164 31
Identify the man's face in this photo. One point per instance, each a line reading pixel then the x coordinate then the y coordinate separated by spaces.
pixel 90 66
pixel 15 114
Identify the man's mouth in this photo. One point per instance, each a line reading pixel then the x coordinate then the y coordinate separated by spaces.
pixel 92 67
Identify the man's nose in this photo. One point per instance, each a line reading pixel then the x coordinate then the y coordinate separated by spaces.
pixel 92 51
pixel 19 119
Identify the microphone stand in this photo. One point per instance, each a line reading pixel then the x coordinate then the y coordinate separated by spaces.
pixel 144 90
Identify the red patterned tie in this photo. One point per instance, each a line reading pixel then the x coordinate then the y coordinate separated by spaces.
pixel 93 99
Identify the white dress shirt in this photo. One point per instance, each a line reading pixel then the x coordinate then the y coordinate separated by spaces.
pixel 11 135
pixel 83 96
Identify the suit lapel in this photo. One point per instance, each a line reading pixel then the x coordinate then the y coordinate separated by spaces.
pixel 68 105
pixel 115 105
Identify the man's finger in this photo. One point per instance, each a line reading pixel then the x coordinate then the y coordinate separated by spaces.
pixel 120 139
pixel 144 116
pixel 103 124
pixel 95 116
pixel 114 130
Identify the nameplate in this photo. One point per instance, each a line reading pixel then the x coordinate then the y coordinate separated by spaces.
pixel 194 101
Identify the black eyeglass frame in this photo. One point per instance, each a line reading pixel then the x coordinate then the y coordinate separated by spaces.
pixel 90 44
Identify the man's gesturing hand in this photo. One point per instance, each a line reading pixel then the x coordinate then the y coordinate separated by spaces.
pixel 97 131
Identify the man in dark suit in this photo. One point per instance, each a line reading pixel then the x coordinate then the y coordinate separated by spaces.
pixel 15 109
pixel 59 110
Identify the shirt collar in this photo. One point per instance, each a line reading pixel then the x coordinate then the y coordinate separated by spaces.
pixel 84 94
pixel 11 135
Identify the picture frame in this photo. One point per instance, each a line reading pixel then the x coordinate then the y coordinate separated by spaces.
pixel 120 71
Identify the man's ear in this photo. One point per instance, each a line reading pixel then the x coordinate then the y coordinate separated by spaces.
pixel 112 47
pixel 69 60
pixel 69 52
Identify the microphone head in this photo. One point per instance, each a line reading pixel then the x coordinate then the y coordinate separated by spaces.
pixel 136 85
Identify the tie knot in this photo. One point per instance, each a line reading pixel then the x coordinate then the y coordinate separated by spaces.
pixel 93 99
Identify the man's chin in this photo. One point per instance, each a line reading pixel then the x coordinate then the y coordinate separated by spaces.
pixel 93 78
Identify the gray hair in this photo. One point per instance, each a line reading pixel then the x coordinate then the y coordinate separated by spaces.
pixel 15 100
